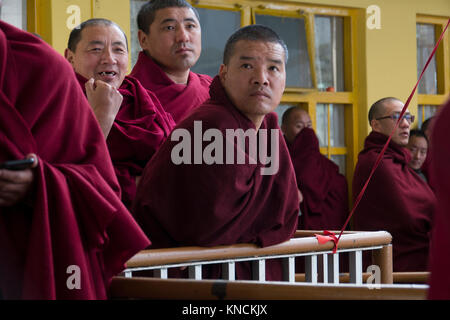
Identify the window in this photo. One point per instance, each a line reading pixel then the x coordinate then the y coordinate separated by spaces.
pixel 435 84
pixel 14 12
pixel 214 39
pixel 293 33
pixel 329 46
pixel 135 47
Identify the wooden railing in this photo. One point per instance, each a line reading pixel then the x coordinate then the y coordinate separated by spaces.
pixel 321 265
pixel 187 289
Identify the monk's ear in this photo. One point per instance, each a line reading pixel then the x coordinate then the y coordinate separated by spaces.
pixel 69 55
pixel 375 125
pixel 142 36
pixel 223 72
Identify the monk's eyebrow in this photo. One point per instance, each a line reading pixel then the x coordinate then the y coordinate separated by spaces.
pixel 247 58
pixel 119 43
pixel 169 20
pixel 96 42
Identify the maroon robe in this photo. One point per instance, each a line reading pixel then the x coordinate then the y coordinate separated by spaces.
pixel 140 127
pixel 324 189
pixel 177 99
pixel 73 217
pixel 396 200
pixel 218 204
pixel 440 171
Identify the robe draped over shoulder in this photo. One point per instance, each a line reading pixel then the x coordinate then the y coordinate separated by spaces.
pixel 218 204
pixel 73 222
pixel 177 99
pixel 396 200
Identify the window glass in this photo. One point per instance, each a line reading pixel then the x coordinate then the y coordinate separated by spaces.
pixel 337 133
pixel 14 12
pixel 329 48
pixel 340 160
pixel 425 112
pixel 214 38
pixel 425 34
pixel 322 124
pixel 135 47
pixel 293 33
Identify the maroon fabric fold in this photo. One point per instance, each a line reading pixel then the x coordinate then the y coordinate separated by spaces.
pixel 218 204
pixel 324 189
pixel 76 217
pixel 140 127
pixel 440 171
pixel 396 200
pixel 177 99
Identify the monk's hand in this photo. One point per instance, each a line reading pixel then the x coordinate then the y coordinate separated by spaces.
pixel 300 195
pixel 14 185
pixel 105 100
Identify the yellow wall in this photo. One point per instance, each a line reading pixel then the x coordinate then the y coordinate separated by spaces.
pixel 54 19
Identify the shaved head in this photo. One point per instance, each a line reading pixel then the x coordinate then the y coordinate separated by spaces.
pixel 294 120
pixel 378 108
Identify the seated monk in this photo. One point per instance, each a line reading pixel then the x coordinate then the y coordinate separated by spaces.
pixel 396 199
pixel 324 189
pixel 64 233
pixel 132 119
pixel 190 195
pixel 170 36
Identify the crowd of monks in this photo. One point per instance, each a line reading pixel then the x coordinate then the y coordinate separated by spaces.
pixel 104 185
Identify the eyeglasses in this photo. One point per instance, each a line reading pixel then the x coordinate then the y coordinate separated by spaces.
pixel 408 117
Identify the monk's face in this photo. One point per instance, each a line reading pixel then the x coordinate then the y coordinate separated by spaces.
pixel 174 39
pixel 387 124
pixel 255 78
pixel 418 147
pixel 101 54
pixel 297 121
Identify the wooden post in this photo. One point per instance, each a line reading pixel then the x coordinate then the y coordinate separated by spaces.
pixel 383 259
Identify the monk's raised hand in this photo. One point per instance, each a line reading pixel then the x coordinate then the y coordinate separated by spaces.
pixel 105 100
pixel 14 185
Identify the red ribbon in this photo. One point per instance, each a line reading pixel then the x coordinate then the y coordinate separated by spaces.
pixel 330 236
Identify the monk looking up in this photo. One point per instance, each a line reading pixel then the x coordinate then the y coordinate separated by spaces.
pixel 131 117
pixel 226 202
pixel 170 37
pixel 397 199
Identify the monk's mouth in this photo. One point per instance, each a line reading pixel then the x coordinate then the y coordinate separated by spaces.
pixel 107 73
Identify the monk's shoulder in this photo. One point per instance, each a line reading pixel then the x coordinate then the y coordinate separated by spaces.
pixel 213 115
pixel 204 79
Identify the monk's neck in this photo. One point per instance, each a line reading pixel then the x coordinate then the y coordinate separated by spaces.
pixel 181 77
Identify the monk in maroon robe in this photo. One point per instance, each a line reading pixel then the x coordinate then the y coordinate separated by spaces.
pixel 440 171
pixel 140 124
pixel 70 234
pixel 397 199
pixel 324 189
pixel 170 36
pixel 201 201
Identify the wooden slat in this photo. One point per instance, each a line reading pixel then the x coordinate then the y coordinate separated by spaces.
pixel 398 277
pixel 181 289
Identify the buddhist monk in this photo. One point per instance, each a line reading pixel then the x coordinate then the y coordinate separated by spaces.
pixel 418 147
pixel 440 245
pixel 64 233
pixel 324 189
pixel 224 175
pixel 397 199
pixel 170 36
pixel 132 118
